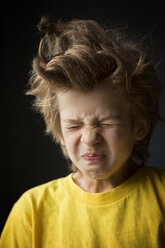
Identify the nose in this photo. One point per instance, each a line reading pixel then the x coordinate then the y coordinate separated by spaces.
pixel 90 136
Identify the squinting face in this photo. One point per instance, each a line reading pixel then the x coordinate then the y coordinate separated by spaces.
pixel 96 130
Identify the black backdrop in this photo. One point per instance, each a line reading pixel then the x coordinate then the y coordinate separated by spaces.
pixel 29 157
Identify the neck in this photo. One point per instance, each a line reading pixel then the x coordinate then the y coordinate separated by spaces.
pixel 103 185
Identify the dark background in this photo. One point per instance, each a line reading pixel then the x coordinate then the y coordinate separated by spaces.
pixel 30 158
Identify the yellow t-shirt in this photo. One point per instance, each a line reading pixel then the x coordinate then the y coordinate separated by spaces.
pixel 59 214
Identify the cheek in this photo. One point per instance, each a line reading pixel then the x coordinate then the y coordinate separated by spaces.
pixel 71 141
pixel 119 139
pixel 113 135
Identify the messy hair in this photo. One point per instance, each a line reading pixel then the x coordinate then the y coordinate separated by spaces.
pixel 81 54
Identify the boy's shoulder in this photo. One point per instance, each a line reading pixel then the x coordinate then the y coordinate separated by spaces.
pixel 45 191
pixel 156 171
pixel 156 175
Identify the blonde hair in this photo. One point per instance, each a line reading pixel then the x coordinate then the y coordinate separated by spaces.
pixel 81 54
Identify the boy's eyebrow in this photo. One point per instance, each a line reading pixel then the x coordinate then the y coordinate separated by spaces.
pixel 112 117
pixel 72 121
pixel 115 117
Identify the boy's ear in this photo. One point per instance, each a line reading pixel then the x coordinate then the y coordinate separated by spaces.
pixel 141 129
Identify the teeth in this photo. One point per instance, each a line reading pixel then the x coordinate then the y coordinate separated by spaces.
pixel 93 155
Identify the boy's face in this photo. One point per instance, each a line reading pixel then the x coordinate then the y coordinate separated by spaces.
pixel 97 130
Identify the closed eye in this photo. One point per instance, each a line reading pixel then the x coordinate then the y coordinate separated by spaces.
pixel 74 127
pixel 109 124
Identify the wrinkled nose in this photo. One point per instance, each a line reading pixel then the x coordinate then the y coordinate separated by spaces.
pixel 90 136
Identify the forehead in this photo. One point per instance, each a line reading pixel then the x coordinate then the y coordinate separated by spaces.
pixel 103 100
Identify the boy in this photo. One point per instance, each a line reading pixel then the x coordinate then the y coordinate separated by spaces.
pixel 99 95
